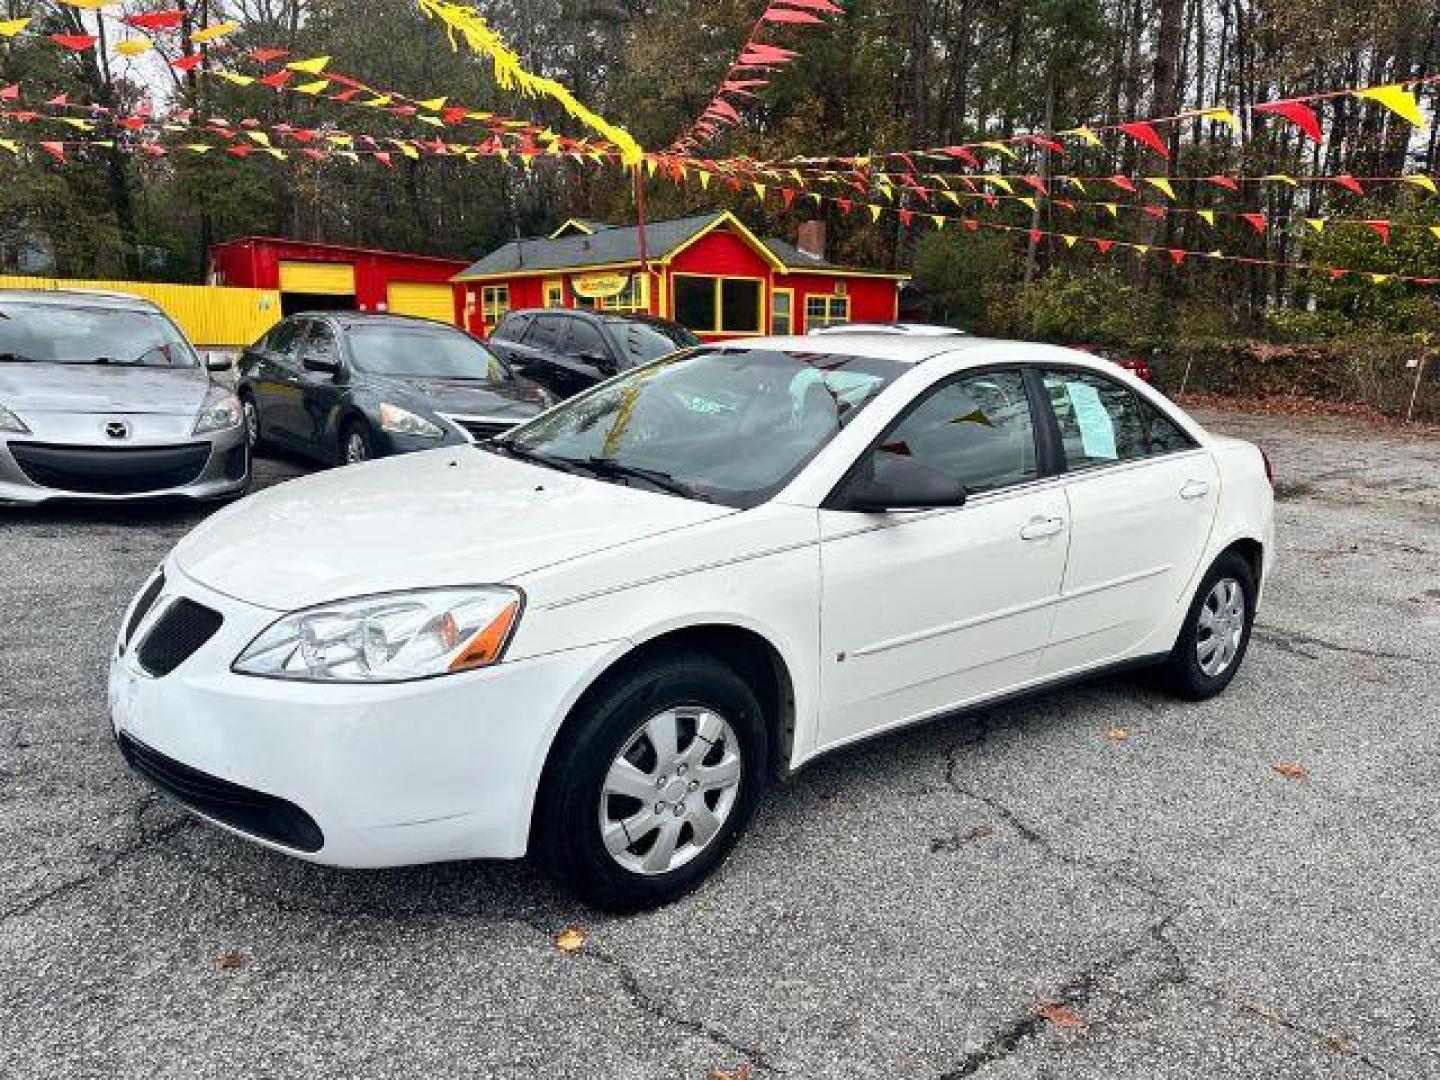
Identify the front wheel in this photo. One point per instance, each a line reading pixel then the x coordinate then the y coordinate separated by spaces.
pixel 652 783
pixel 1216 631
pixel 251 413
pixel 356 444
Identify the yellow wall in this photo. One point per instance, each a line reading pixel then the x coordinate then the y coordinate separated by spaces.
pixel 212 316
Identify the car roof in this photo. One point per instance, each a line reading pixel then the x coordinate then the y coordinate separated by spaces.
pixel 368 318
pixel 118 301
pixel 899 347
pixel 899 328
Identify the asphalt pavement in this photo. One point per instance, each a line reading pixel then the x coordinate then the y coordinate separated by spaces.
pixel 1101 883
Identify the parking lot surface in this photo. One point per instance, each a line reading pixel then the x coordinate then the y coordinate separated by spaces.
pixel 1098 883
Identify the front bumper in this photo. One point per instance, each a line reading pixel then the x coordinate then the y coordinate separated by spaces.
pixel 211 466
pixel 389 774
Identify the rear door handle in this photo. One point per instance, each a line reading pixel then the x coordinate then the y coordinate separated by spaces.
pixel 1039 528
pixel 1195 489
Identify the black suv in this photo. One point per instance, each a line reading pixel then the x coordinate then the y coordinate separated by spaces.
pixel 568 351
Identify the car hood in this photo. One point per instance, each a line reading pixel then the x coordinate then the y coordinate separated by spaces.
pixel 451 516
pixel 101 388
pixel 464 397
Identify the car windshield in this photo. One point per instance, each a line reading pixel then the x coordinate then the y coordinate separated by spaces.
pixel 423 351
pixel 731 426
pixel 641 341
pixel 50 334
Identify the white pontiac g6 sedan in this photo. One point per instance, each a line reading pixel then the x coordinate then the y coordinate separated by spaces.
pixel 597 636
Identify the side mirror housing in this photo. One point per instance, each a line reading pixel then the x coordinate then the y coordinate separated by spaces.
pixel 901 483
pixel 215 361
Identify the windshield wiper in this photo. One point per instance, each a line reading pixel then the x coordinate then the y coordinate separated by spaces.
pixel 610 468
pixel 534 457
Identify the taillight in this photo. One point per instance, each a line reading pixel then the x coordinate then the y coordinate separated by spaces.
pixel 1269 468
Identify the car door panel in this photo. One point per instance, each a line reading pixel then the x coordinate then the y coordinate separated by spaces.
pixel 318 392
pixel 966 610
pixel 1139 526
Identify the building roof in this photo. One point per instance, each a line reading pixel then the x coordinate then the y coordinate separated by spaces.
pixel 348 249
pixel 619 245
pixel 605 247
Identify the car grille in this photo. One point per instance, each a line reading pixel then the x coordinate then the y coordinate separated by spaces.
pixel 479 428
pixel 176 634
pixel 242 808
pixel 99 470
pixel 142 605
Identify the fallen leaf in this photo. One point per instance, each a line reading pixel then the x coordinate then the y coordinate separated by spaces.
pixel 1062 1016
pixel 570 939
pixel 1117 734
pixel 1292 770
pixel 742 1073
pixel 1340 1044
pixel 231 959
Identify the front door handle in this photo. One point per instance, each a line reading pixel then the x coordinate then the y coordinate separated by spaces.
pixel 1039 528
pixel 1195 489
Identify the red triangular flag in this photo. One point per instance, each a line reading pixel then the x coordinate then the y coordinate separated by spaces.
pixel 906 217
pixel 787 196
pixel 826 6
pixel 264 56
pixel 1297 112
pixel 277 79
pixel 972 224
pixel 1143 132
pixel 1037 183
pixel 10 93
pixel 1124 183
pixel 1349 183
pixel 1153 211
pixel 785 15
pixel 962 154
pixel 1063 204
pixel 1336 274
pixel 1177 255
pixel 383 157
pixel 1104 245
pixel 313 154
pixel 1382 230
pixel 59 99
pixel 1226 182
pixel 75 42
pixel 1035 236
pixel 239 150
pixel 187 63
pixel 156 20
pixel 54 149
pixel 1258 222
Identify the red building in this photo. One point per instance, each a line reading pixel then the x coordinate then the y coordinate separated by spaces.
pixel 709 273
pixel 331 276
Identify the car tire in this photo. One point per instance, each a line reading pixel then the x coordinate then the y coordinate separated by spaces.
pixel 1216 631
pixel 357 445
pixel 251 413
pixel 716 718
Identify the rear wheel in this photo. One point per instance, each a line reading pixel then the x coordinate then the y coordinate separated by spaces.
pixel 1216 631
pixel 251 412
pixel 652 783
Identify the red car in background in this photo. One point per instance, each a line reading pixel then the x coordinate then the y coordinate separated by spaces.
pixel 1136 365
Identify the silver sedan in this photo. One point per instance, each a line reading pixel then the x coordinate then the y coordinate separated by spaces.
pixel 101 397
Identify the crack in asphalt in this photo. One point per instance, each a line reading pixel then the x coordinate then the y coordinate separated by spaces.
pixel 1083 988
pixel 635 992
pixel 1292 641
pixel 147 839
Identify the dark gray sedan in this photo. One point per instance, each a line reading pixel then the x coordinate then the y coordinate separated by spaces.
pixel 101 397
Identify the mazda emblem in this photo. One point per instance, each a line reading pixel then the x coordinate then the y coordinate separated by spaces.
pixel 117 429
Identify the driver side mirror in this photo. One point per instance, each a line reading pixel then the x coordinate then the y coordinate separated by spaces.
pixel 901 483
pixel 217 361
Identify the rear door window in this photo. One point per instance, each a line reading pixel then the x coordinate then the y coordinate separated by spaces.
pixel 585 340
pixel 512 328
pixel 546 332
pixel 1100 420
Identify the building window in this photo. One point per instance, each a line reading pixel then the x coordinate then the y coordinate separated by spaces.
pixel 713 305
pixel 822 310
pixel 634 297
pixel 494 303
pixel 782 304
pixel 554 293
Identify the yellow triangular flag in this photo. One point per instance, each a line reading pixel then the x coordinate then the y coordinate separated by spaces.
pixel 1316 223
pixel 1398 99
pixel 259 137
pixel 951 197
pixel 1027 200
pixel 1420 180
pixel 759 191
pixel 1221 115
pixel 348 155
pixel 1141 249
pixel 1207 216
pixel 1086 134
pixel 1112 209
pixel 377 102
pixel 433 121
pixel 1281 178
pixel 434 104
pixel 88 5
pixel 406 149
pixel 1001 183
pixel 1379 279
pixel 134 46
pixel 9 144
pixel 704 180
pixel 214 33
pixel 875 211
pixel 12 27
pixel 339 140
pixel 939 220
pixel 1070 240
pixel 1436 230
pixel 313 66
pixel 76 123
pixel 235 77
pixel 312 87
pixel 1216 254
pixel 1077 184
pixel 278 155
pixel 199 148
pixel 1162 185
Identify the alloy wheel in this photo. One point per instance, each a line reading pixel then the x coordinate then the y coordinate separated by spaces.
pixel 252 422
pixel 670 789
pixel 356 449
pixel 1221 627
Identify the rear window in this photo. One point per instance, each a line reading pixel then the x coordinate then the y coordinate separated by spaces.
pixel 91 335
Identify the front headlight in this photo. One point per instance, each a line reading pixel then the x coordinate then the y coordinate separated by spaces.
pixel 220 410
pixel 11 423
pixel 394 637
pixel 398 421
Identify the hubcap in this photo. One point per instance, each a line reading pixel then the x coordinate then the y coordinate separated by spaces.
pixel 669 790
pixel 355 448
pixel 1222 624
